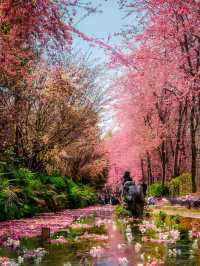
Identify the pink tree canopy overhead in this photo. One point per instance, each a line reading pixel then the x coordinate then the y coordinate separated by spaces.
pixel 29 28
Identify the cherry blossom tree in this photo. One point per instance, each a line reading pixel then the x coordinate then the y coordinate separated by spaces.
pixel 30 28
pixel 159 89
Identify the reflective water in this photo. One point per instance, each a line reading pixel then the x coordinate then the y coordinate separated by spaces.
pixel 107 242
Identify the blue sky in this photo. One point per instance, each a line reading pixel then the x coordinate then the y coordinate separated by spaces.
pixel 109 22
pixel 97 25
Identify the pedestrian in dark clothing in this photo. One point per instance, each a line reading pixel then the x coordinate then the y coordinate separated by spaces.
pixel 114 200
pixel 126 177
pixel 132 195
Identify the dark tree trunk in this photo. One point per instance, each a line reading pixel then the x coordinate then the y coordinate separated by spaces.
pixel 177 155
pixel 149 169
pixel 163 161
pixel 18 135
pixel 178 139
pixel 193 147
pixel 143 171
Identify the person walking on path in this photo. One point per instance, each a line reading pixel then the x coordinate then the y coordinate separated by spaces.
pixel 132 195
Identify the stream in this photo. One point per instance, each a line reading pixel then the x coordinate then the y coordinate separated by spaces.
pixel 101 239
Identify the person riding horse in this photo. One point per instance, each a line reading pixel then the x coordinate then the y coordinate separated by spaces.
pixel 132 195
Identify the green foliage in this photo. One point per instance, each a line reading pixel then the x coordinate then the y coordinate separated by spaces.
pixel 121 212
pixel 186 184
pixel 6 28
pixel 80 195
pixel 174 186
pixel 9 201
pixel 90 219
pixel 178 186
pixel 24 193
pixel 58 181
pixel 23 174
pixel 72 232
pixel 157 190
pixel 160 218
pixel 174 221
pixel 181 185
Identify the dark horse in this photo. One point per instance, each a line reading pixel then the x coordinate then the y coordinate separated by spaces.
pixel 133 196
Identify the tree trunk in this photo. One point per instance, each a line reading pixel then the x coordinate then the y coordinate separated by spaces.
pixel 142 170
pixel 163 161
pixel 18 135
pixel 178 139
pixel 149 170
pixel 193 148
pixel 180 128
pixel 197 176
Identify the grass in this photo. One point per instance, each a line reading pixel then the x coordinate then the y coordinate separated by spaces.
pixel 177 210
pixel 90 219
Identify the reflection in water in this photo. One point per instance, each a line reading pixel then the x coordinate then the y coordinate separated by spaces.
pixel 161 240
pixel 118 252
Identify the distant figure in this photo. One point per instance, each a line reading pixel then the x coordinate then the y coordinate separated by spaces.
pixel 101 198
pixel 107 195
pixel 132 195
pixel 126 177
pixel 114 200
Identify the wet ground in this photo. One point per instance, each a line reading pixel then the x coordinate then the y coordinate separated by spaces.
pixel 99 238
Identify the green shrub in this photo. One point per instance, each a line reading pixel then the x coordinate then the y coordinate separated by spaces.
pixel 24 193
pixel 90 219
pixel 186 184
pixel 28 210
pixel 80 195
pixel 3 169
pixel 121 212
pixel 157 190
pixel 9 201
pixel 160 218
pixel 23 175
pixel 174 186
pixel 181 185
pixel 162 215
pixel 88 196
pixel 58 181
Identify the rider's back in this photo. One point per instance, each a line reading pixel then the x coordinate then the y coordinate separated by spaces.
pixel 129 190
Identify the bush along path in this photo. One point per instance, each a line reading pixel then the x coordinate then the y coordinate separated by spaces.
pixel 24 193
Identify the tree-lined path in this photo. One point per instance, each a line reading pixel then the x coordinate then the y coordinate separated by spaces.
pixel 90 90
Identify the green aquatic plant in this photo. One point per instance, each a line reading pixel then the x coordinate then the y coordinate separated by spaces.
pixel 73 232
pixel 90 219
pixel 160 218
pixel 121 212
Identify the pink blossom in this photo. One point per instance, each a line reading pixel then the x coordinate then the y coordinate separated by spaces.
pixel 5 261
pixel 60 240
pixel 31 227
